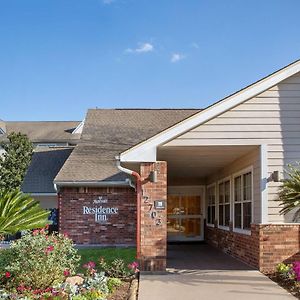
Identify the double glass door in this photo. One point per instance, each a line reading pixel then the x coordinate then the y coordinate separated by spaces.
pixel 185 222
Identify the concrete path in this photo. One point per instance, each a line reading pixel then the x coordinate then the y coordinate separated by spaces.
pixel 202 272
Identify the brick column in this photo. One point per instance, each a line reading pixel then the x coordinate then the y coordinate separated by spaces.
pixel 153 221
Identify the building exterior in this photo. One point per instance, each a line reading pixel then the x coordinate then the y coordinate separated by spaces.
pixel 53 142
pixel 145 177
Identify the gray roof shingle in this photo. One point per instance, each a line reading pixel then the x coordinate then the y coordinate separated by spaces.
pixel 44 166
pixel 44 131
pixel 108 132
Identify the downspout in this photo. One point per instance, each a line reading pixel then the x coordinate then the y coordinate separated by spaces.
pixel 138 204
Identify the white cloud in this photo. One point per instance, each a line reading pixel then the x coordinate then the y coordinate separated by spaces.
pixel 177 57
pixel 142 48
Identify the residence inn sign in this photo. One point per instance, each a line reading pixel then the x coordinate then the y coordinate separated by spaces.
pixel 101 213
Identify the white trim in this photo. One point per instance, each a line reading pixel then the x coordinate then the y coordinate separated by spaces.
pixel 42 194
pixel 237 174
pixel 79 128
pixel 223 180
pixel 146 150
pixel 242 231
pixel 212 185
pixel 92 183
pixel 264 182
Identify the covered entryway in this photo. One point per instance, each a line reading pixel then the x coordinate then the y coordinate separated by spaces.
pixel 203 272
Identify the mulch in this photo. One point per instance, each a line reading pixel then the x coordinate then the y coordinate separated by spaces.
pixel 289 285
pixel 121 293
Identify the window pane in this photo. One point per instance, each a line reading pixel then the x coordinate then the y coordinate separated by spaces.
pixel 209 215
pixel 227 214
pixel 221 192
pixel 237 189
pixel 227 191
pixel 221 215
pixel 246 215
pixel 213 214
pixel 247 186
pixel 237 215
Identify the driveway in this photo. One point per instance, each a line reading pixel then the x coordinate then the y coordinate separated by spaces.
pixel 202 272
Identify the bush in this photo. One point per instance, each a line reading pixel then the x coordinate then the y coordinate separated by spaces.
pixel 117 268
pixel 113 283
pixel 285 271
pixel 40 260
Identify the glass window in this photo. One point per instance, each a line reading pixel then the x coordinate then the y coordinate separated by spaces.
pixel 224 203
pixel 211 203
pixel 243 201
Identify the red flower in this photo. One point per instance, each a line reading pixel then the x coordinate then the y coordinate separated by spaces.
pixel 49 249
pixel 7 275
pixel 66 273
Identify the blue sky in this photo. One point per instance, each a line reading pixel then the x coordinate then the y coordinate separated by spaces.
pixel 60 57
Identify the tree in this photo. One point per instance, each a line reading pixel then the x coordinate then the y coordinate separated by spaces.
pixel 19 211
pixel 289 193
pixel 15 161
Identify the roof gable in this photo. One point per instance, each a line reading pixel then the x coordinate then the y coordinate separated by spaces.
pixel 146 150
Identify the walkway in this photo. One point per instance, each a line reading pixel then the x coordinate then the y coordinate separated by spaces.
pixel 202 272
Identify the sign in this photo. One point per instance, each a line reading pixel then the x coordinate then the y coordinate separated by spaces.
pixel 102 213
pixel 160 204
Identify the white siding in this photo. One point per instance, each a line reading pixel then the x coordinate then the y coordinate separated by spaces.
pixel 271 118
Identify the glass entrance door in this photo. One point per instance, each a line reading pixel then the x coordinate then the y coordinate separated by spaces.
pixel 184 218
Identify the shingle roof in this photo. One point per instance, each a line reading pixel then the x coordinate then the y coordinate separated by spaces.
pixel 43 168
pixel 106 133
pixel 44 131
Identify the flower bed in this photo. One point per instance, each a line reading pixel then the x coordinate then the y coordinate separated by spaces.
pixel 42 266
pixel 288 277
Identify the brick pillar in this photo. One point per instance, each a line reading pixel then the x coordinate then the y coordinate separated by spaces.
pixel 153 220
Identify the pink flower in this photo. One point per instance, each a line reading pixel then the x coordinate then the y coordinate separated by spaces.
pixel 90 265
pixel 49 249
pixel 66 273
pixel 7 275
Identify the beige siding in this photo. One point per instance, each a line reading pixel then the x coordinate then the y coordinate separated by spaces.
pixel 47 201
pixel 250 159
pixel 271 118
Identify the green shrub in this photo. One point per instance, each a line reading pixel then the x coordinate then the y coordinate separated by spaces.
pixel 115 269
pixel 285 271
pixel 113 283
pixel 40 260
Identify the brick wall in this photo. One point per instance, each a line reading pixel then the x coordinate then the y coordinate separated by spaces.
pixel 242 246
pixel 278 243
pixel 153 222
pixel 119 229
pixel 267 245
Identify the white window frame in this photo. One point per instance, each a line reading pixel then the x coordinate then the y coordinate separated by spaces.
pixel 213 185
pixel 223 180
pixel 241 173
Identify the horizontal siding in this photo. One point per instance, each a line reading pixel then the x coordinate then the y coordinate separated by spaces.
pixel 271 118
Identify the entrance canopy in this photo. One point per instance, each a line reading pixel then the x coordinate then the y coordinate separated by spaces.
pixel 193 164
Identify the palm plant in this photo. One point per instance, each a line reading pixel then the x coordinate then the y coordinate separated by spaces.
pixel 19 211
pixel 289 193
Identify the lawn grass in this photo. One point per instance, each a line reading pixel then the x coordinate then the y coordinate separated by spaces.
pixel 109 254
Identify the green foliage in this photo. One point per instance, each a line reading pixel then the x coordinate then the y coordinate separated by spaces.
pixel 40 260
pixel 285 271
pixel 109 254
pixel 115 269
pixel 19 211
pixel 15 161
pixel 113 283
pixel 289 193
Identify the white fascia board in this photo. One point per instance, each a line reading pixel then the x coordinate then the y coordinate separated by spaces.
pixel 146 151
pixel 79 128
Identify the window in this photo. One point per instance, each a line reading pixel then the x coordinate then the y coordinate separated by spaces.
pixel 224 203
pixel 243 201
pixel 211 204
